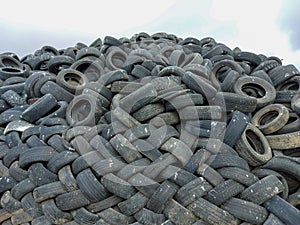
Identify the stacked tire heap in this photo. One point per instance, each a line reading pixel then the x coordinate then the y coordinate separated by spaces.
pixel 149 130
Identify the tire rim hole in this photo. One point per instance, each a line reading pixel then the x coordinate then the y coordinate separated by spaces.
pixel 81 110
pixel 11 70
pixel 73 79
pixel 268 117
pixel 9 62
pixel 254 142
pixel 290 87
pixel 254 90
pixel 292 119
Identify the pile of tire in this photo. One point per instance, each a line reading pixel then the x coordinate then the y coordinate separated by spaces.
pixel 152 129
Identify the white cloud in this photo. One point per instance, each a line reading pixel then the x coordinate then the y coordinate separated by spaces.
pixel 251 25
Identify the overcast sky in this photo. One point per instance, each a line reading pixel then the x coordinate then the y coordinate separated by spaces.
pixel 270 27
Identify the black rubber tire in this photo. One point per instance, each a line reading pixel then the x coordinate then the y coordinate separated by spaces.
pixel 177 214
pixel 161 196
pixel 148 111
pixel 205 112
pixel 109 202
pixel 71 200
pixel 282 73
pixel 36 154
pixel 138 98
pixel 146 216
pixel 286 164
pixel 22 188
pixel 235 128
pixel 211 213
pixel 192 191
pixel 90 67
pixel 54 214
pixel 57 91
pixel 263 190
pixel 113 217
pixel 90 186
pixel 83 110
pixel 284 141
pixel 199 85
pixel 283 210
pixel 40 175
pixel 223 192
pixel 118 186
pixel 133 204
pixel 228 160
pixel 40 108
pixel 253 59
pixel 246 211
pixel 31 206
pixel 48 191
pixel 266 92
pixel 242 176
pixel 67 179
pixel 71 80
pixel 232 101
pixel 253 146
pixel 58 63
pixel 125 148
pixel 275 122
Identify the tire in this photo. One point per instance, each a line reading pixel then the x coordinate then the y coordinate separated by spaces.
pixel 13 98
pixel 143 184
pixel 275 122
pixel 71 200
pixel 284 164
pixel 282 73
pixel 133 204
pixel 138 98
pixel 239 175
pixel 192 191
pixel 107 203
pixel 262 190
pixel 48 191
pixel 71 80
pixel 125 148
pixel 22 188
pixel 9 203
pixel 236 127
pixel 90 186
pixel 40 175
pixel 253 146
pixel 39 109
pixel 199 85
pixel 58 63
pixel 246 211
pixel 283 210
pixel 284 141
pixel 118 186
pixel 36 154
pixel 83 216
pixel 161 196
pixel 57 91
pixel 263 90
pixel 31 206
pixel 83 110
pixel 223 192
pixel 253 59
pixel 178 214
pixel 211 213
pixel 146 216
pixel 235 101
pixel 54 214
pixel 114 217
pixel 67 179
pixel 90 67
